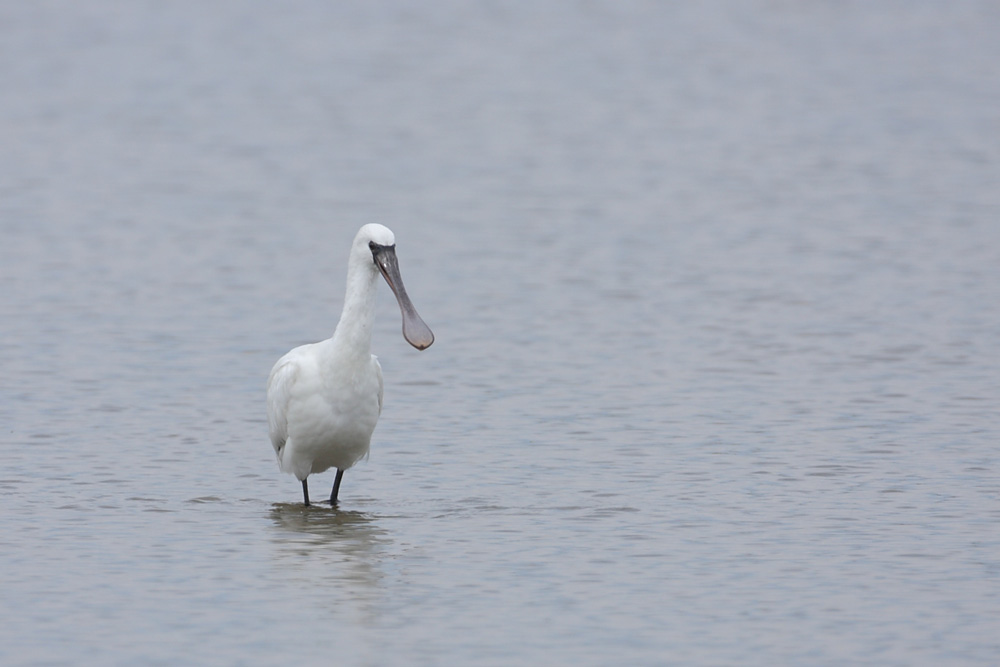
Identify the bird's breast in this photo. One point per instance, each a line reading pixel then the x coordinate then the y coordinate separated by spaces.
pixel 334 405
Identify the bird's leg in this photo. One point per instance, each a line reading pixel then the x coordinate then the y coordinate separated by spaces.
pixel 336 487
pixel 305 491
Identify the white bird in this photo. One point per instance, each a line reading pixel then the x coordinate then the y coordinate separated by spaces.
pixel 324 399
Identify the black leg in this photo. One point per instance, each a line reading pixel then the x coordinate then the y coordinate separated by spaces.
pixel 336 487
pixel 305 491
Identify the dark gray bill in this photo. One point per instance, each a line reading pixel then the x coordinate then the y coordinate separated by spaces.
pixel 415 331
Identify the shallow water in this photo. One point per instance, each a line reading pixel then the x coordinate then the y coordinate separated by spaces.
pixel 714 287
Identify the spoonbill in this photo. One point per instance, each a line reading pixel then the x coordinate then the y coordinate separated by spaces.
pixel 324 399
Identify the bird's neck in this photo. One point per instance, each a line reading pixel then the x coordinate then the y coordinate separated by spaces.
pixel 354 331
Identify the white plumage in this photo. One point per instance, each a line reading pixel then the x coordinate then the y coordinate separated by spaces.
pixel 324 399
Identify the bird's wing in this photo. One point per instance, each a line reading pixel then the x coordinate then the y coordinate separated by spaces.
pixel 279 388
pixel 381 385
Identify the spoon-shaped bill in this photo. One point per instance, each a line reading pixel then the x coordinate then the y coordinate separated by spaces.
pixel 415 331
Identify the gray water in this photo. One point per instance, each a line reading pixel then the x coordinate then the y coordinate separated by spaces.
pixel 715 288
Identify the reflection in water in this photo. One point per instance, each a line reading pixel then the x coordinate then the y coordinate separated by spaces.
pixel 323 523
pixel 331 552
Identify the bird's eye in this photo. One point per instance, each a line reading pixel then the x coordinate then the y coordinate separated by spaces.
pixel 372 246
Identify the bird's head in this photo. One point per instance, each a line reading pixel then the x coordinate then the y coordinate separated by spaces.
pixel 382 244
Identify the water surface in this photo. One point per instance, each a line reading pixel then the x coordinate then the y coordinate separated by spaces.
pixel 716 378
